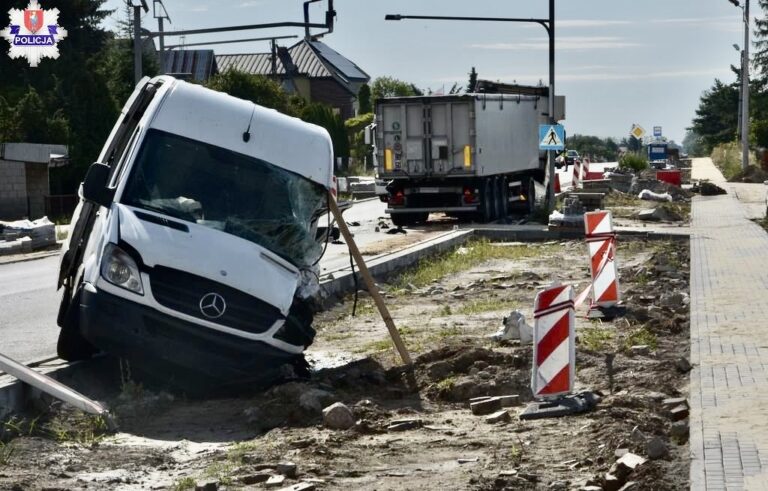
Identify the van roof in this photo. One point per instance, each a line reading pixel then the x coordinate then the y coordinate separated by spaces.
pixel 219 119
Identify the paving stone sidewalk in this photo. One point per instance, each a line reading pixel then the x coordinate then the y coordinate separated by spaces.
pixel 729 343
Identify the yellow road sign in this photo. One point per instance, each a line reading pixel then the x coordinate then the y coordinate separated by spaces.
pixel 637 131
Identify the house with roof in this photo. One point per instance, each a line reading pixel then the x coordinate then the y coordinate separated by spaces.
pixel 309 68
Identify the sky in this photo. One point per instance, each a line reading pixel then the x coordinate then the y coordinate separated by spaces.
pixel 618 62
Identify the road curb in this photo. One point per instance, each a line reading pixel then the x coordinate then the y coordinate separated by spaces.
pixel 31 257
pixel 339 282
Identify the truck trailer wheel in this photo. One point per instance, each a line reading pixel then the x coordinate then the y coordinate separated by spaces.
pixel 502 197
pixel 530 196
pixel 487 212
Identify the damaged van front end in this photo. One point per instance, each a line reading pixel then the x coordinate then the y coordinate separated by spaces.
pixel 199 245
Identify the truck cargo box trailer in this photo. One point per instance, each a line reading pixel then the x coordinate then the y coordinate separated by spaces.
pixel 472 155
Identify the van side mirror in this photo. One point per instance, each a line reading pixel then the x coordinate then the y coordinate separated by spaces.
pixel 95 185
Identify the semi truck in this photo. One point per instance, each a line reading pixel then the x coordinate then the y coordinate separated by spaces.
pixel 470 155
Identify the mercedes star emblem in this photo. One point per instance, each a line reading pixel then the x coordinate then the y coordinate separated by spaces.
pixel 212 305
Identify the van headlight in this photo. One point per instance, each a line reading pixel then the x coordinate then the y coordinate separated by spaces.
pixel 118 268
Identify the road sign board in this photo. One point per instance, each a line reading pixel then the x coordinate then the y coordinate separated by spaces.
pixel 657 131
pixel 637 131
pixel 551 137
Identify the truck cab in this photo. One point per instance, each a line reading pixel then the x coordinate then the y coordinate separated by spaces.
pixel 194 241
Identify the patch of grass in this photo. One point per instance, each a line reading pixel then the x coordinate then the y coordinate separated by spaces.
pixel 6 452
pixel 239 450
pixel 80 428
pixel 485 305
pixel 375 346
pixel 597 338
pixel 641 336
pixel 184 484
pixel 633 161
pixel 516 454
pixel 338 336
pixel 727 158
pixel 621 199
pixel 475 252
pixel 446 311
pixel 446 384
pixel 449 331
pixel 221 471
pixel 365 307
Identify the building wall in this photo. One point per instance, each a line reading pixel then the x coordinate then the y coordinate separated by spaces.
pixel 333 94
pixel 37 189
pixel 13 190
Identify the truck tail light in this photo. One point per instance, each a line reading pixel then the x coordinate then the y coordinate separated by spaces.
pixel 398 198
pixel 388 159
pixel 467 156
pixel 469 196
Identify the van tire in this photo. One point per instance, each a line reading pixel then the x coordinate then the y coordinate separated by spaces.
pixel 72 346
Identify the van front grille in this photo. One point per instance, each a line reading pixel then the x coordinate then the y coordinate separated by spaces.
pixel 184 292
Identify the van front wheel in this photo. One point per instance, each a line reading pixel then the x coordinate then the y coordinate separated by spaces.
pixel 72 346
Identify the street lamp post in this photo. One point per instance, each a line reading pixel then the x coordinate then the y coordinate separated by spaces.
pixel 549 25
pixel 744 86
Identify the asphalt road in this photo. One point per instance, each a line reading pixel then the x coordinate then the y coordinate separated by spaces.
pixel 29 303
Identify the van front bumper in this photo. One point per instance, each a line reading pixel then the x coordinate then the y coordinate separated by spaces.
pixel 177 352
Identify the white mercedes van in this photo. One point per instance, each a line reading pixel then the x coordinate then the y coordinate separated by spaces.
pixel 193 246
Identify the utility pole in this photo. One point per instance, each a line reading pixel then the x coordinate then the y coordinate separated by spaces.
pixel 137 51
pixel 160 15
pixel 551 99
pixel 745 92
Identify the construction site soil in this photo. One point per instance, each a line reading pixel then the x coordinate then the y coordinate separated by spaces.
pixel 412 429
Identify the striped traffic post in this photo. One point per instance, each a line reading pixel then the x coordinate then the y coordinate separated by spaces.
pixel 576 173
pixel 602 252
pixel 554 353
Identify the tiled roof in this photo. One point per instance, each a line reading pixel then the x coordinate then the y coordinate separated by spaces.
pixel 312 59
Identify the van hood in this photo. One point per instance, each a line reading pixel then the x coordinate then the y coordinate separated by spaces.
pixel 209 253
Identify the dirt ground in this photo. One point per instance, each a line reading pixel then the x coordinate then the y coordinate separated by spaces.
pixel 445 310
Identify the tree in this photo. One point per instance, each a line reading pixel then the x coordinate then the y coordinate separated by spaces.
pixel 359 150
pixel 593 146
pixel 255 88
pixel 692 144
pixel 392 87
pixel 716 117
pixel 472 80
pixel 760 58
pixel 364 99
pixel 323 115
pixel 455 89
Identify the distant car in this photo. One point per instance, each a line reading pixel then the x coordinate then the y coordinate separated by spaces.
pixel 571 156
pixel 568 158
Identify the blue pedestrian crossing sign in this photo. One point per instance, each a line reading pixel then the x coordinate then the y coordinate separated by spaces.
pixel 551 137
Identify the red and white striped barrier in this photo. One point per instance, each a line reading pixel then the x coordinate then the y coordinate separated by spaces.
pixel 602 253
pixel 554 352
pixel 576 173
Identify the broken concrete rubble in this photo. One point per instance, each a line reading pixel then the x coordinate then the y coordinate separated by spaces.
pixel 338 416
pixel 656 448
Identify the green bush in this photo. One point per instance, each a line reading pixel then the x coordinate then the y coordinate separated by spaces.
pixel 633 162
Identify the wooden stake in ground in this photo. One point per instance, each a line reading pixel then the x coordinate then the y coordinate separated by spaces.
pixel 369 283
